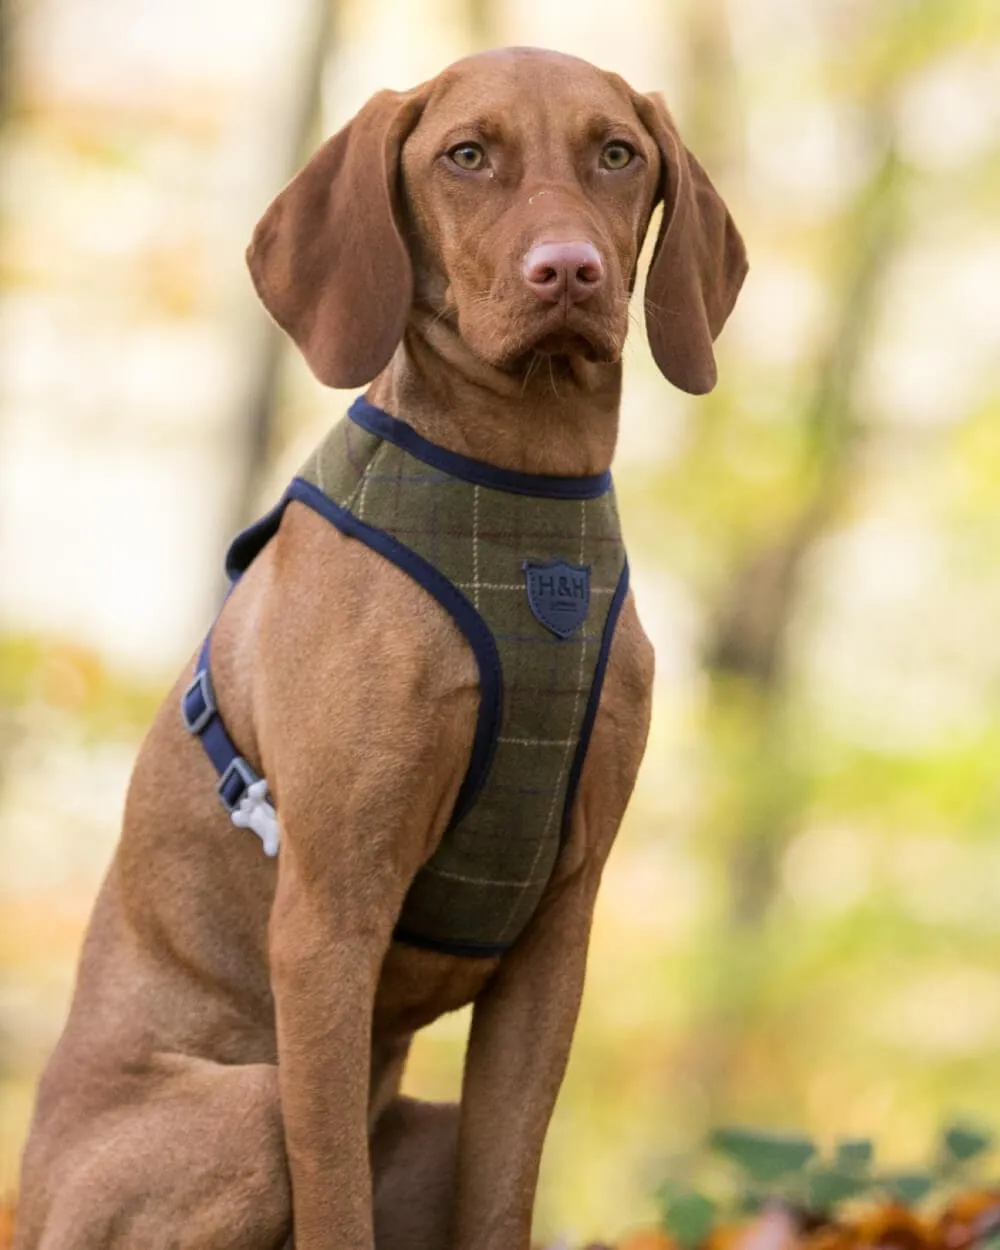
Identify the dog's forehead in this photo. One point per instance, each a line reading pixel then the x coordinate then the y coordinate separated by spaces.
pixel 521 84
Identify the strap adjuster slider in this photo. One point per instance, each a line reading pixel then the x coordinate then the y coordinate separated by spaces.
pixel 198 702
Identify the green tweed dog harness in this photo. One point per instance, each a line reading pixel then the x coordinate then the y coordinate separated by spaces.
pixel 533 570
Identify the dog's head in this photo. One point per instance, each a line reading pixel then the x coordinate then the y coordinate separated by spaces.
pixel 509 196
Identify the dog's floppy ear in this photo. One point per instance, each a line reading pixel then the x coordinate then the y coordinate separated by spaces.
pixel 328 257
pixel 698 265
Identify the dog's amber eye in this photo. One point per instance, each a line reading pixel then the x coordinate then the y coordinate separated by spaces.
pixel 616 155
pixel 468 156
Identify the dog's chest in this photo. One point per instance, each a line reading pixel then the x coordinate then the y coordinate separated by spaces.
pixel 533 571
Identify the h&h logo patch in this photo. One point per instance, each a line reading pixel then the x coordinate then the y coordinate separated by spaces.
pixel 558 594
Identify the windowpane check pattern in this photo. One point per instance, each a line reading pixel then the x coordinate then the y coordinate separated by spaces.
pixel 483 882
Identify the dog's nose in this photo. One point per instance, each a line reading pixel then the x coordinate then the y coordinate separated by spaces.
pixel 556 270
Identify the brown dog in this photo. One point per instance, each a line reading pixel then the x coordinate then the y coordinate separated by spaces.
pixel 231 1065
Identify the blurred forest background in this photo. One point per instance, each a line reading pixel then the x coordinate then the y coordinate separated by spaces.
pixel 801 922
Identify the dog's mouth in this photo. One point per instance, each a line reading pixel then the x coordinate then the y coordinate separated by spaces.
pixel 529 333
pixel 564 343
pixel 571 333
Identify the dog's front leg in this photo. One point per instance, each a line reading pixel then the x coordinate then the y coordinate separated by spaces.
pixel 519 1043
pixel 324 985
pixel 351 845
pixel 366 702
pixel 523 1023
pixel 335 904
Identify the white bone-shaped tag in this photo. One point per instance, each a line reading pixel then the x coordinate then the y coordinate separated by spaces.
pixel 255 812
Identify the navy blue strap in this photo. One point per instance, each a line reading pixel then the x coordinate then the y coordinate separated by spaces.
pixel 198 707
pixel 201 718
pixel 594 698
pixel 478 472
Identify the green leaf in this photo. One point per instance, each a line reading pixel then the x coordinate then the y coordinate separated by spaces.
pixel 669 1189
pixel 828 1187
pixel 854 1154
pixel 909 1188
pixel 763 1156
pixel 690 1217
pixel 960 1142
pixel 753 1202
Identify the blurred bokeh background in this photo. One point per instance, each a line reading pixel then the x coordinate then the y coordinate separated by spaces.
pixel 801 922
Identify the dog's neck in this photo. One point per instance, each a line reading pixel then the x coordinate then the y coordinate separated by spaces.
pixel 556 419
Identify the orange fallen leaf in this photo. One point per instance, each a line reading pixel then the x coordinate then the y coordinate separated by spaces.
pixel 893 1227
pixel 831 1236
pixel 648 1239
pixel 726 1237
pixel 968 1217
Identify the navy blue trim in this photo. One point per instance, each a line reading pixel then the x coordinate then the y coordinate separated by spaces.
pixel 594 698
pixel 456 604
pixel 472 950
pixel 249 543
pixel 478 472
